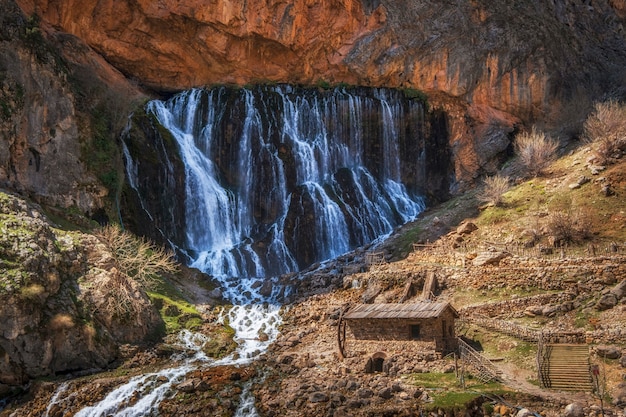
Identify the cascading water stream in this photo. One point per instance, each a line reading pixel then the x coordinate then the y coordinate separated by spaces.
pixel 275 179
pixel 278 178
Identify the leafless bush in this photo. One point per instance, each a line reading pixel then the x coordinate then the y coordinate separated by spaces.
pixel 606 128
pixel 120 300
pixel 535 150
pixel 565 227
pixel 137 258
pixel 493 189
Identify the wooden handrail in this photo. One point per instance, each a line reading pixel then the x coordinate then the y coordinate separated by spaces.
pixel 487 371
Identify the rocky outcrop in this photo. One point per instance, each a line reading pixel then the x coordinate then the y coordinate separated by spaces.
pixel 508 57
pixel 60 107
pixel 39 150
pixel 54 287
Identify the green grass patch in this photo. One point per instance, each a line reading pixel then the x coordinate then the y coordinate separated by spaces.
pixel 451 400
pixel 494 215
pixel 415 94
pixel 404 244
pixel 434 380
pixel 175 310
pixel 447 392
pixel 586 319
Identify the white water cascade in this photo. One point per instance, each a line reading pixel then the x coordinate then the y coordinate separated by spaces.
pixel 141 395
pixel 274 180
pixel 279 178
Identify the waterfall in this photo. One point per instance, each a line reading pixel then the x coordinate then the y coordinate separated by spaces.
pixel 275 178
pixel 280 177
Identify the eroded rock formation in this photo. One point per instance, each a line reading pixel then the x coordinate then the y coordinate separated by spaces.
pixel 60 107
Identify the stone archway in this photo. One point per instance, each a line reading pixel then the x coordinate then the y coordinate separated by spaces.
pixel 375 363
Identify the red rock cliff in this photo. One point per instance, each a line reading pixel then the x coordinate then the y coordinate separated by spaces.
pixel 502 62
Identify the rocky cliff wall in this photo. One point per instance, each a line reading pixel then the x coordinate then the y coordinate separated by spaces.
pixel 491 66
pixel 61 105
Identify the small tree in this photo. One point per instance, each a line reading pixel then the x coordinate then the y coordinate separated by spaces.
pixel 606 129
pixel 535 150
pixel 493 189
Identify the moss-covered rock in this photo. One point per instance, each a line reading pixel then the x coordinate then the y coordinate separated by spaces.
pixel 55 287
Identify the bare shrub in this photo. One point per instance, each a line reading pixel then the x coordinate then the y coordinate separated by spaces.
pixel 565 227
pixel 120 300
pixel 535 150
pixel 137 258
pixel 493 189
pixel 606 129
pixel 137 263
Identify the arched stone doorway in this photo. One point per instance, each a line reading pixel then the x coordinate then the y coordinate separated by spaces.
pixel 376 363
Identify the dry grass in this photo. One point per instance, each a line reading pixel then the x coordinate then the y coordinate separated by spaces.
pixel 61 322
pixel 535 150
pixel 33 292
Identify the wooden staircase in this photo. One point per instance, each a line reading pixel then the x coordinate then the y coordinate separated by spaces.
pixel 564 367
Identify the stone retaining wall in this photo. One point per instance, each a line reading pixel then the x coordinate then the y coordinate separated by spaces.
pixel 515 307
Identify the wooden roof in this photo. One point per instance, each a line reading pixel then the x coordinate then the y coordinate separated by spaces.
pixel 419 310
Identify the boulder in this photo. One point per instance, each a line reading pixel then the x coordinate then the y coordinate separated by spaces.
pixel 365 393
pixel 266 288
pixel 606 302
pixel 53 323
pixel 574 410
pixel 534 310
pixel 491 257
pixel 466 228
pixel 524 412
pixel 550 311
pixel 385 393
pixel 609 351
pixel 619 290
pixel 318 397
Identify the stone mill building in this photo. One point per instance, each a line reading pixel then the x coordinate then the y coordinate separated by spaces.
pixel 420 330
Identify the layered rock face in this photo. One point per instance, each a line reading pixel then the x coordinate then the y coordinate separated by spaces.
pixel 51 87
pixel 528 62
pixel 55 291
pixel 39 150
